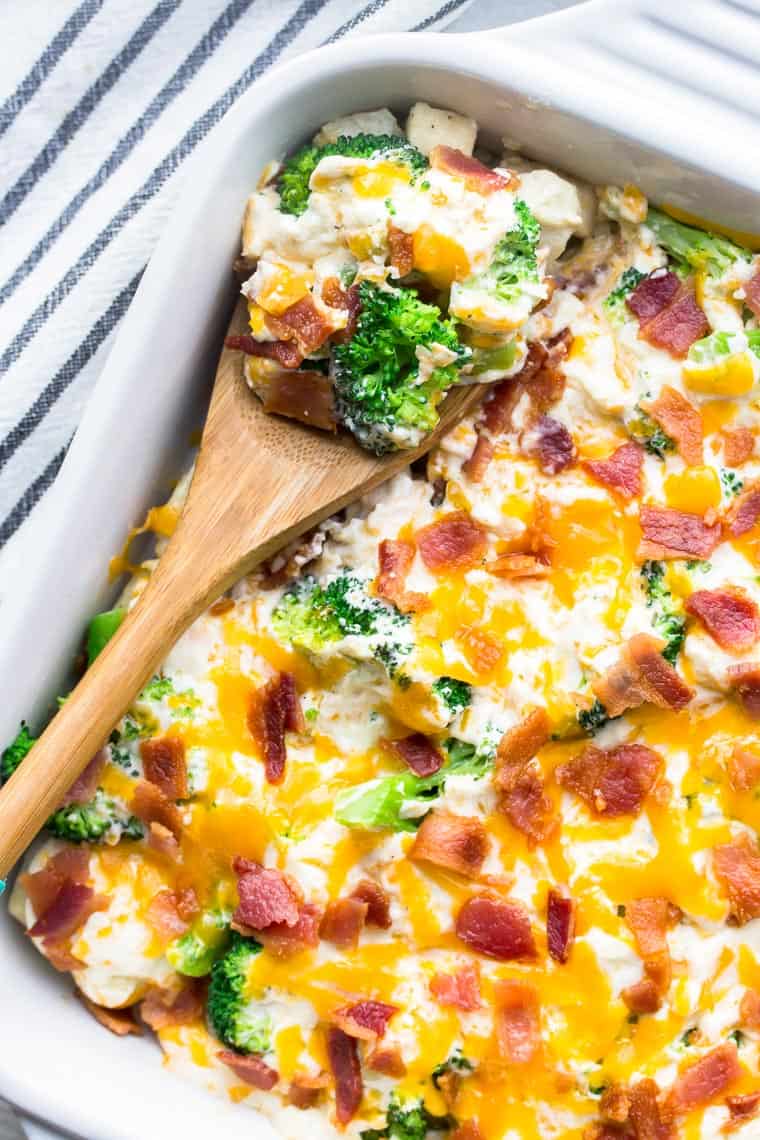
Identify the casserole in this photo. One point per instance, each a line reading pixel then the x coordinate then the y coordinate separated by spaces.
pixel 396 70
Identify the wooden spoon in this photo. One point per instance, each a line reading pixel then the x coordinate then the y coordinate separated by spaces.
pixel 259 482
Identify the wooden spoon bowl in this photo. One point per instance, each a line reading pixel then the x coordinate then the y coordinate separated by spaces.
pixel 259 482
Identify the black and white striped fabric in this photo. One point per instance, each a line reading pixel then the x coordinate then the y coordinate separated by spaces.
pixel 101 102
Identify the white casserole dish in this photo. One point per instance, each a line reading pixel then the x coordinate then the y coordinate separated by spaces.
pixel 581 90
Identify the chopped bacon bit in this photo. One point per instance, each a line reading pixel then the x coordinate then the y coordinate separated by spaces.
pixel 749 1009
pixel 518 566
pixel 738 446
pixel 333 293
pixel 86 784
pixel 642 675
pixel 648 919
pixel 418 753
pixel 752 293
pixel 60 957
pixel 343 922
pixel 527 806
pixel 621 471
pixel 71 864
pixel 480 649
pixel 653 294
pixel 743 769
pixel 682 421
pixel 169 912
pixel 162 1009
pixel 675 534
pixel 283 941
pixel 669 316
pixel 284 352
pixel 520 744
pixel 612 782
pixel 306 1091
pixel 72 906
pixel 560 925
pixel 343 1055
pixel 401 245
pixel 353 304
pixel 161 840
pixel 377 900
pixel 482 453
pixel 467 1130
pixel 744 511
pixel 151 805
pixel 304 395
pixel 518 1031
pixel 395 558
pixel 366 1020
pixel 615 1103
pixel 448 1084
pixel 647 1118
pixel 456 842
pixel 454 542
pixel 274 708
pixel 303 323
pixel 251 1069
pixel 642 997
pixel 118 1021
pixel 266 897
pixel 737 866
pixel 742 1108
pixel 497 928
pixel 553 446
pixel 386 1059
pixel 461 990
pixel 165 766
pixel 745 680
pixel 477 177
pixel 729 616
pixel 705 1079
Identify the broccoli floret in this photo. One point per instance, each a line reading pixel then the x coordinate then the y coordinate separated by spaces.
pixel 456 695
pixel 15 752
pixel 650 435
pixel 310 617
pixel 295 175
pixel 456 1063
pixel 614 302
pixel 696 249
pixel 376 374
pixel 514 263
pixel 195 952
pixel 594 718
pixel 731 483
pixel 100 631
pixel 408 1121
pixel 233 1018
pixel 102 819
pixel 667 620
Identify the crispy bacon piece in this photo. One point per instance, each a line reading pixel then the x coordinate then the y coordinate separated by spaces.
pixel 518 566
pixel 483 653
pixel 482 453
pixel 353 304
pixel 737 866
pixel 303 323
pixel 304 395
pixel 418 753
pixel 653 294
pixel 520 744
pixel 70 909
pixel 401 246
pixel 265 896
pixel 648 919
pixel 729 616
pixel 118 1021
pixel 518 1030
pixel 621 471
pixel 333 293
pixel 648 1120
pixel 284 352
pixel 164 1009
pixel 250 1069
pixel 612 782
pixel 70 864
pixel 743 769
pixel 642 997
pixel 527 806
pixel 305 1091
pixel 161 840
pixel 461 990
pixel 615 1103
pixel 275 709
pixel 454 542
pixel 752 293
pixel 744 511
pixel 343 1056
pixel 738 445
pixel 467 1130
pixel 455 842
pixel 60 957
pixel 497 928
pixel 283 941
pixel 366 1020
pixel 706 1079
pixel 343 922
pixel 744 679
pixel 151 805
pixel 377 900
pixel 675 534
pixel 169 912
pixel 86 784
pixel 682 421
pixel 749 1009
pixel 386 1059
pixel 395 557
pixel 560 924
pixel 642 675
pixel 669 316
pixel 477 177
pixel 741 1108
pixel 165 766
pixel 553 445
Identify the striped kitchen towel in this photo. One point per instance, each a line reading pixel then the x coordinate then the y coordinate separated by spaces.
pixel 101 103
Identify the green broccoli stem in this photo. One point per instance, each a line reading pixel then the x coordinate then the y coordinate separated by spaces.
pixel 694 248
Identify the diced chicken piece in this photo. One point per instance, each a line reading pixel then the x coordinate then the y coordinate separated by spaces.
pixel 556 204
pixel 429 126
pixel 379 122
pixel 587 201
